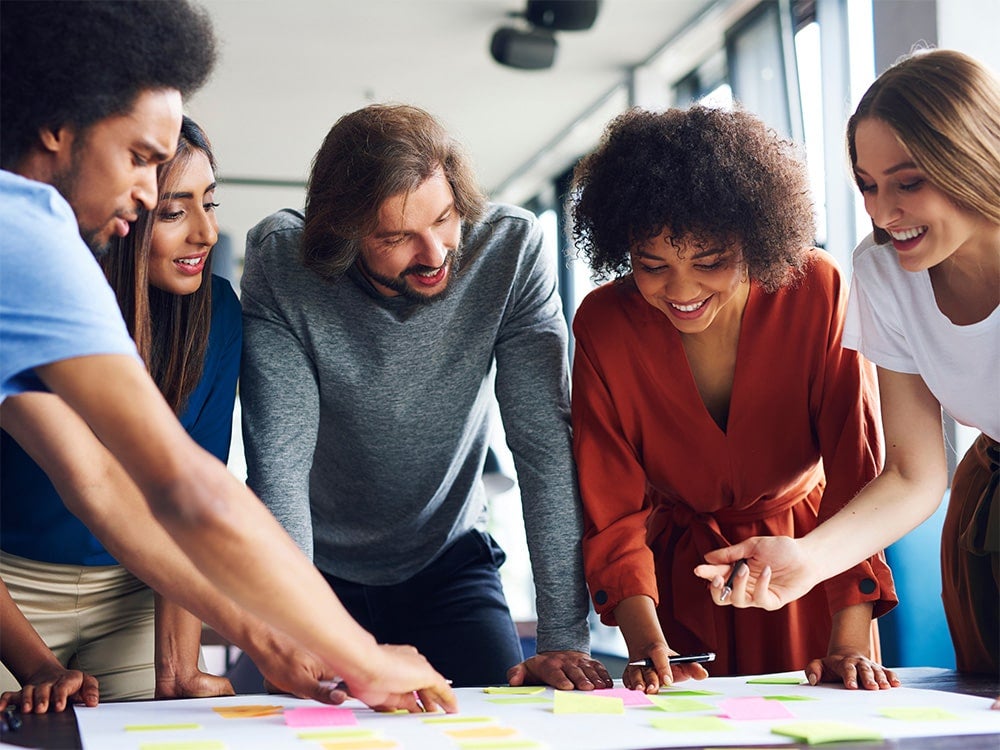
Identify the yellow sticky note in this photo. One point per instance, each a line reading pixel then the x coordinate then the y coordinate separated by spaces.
pixel 184 745
pixel 679 705
pixel 159 727
pixel 692 724
pixel 677 693
pixel 818 732
pixel 481 733
pixel 518 744
pixel 360 744
pixel 456 719
pixel 787 698
pixel 918 713
pixel 519 690
pixel 516 700
pixel 775 681
pixel 571 702
pixel 247 712
pixel 337 733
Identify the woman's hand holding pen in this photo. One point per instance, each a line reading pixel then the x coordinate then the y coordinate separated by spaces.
pixel 764 571
pixel 654 671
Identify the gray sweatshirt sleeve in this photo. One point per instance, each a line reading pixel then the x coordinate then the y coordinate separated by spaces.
pixel 278 390
pixel 532 387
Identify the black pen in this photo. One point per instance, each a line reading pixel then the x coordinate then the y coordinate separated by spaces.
pixel 692 659
pixel 11 719
pixel 728 588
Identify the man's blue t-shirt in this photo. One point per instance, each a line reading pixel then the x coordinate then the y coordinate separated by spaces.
pixel 35 524
pixel 55 303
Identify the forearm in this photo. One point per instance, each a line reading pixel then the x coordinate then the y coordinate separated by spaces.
pixel 208 522
pixel 637 620
pixel 178 639
pixel 851 630
pixel 907 491
pixel 889 507
pixel 22 650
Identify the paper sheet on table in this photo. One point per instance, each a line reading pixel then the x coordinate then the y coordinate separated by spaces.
pixel 103 727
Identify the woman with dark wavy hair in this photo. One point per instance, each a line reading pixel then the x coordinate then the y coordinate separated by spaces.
pixel 712 400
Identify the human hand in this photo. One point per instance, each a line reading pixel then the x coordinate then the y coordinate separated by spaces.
pixel 192 683
pixel 854 669
pixel 53 686
pixel 286 668
pixel 564 670
pixel 662 672
pixel 777 572
pixel 404 680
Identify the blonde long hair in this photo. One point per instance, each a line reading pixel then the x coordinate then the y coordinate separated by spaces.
pixel 944 108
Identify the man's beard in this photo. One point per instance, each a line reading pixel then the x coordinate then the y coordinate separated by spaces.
pixel 399 285
pixel 67 183
pixel 98 247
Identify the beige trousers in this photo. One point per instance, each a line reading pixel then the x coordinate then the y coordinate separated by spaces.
pixel 98 619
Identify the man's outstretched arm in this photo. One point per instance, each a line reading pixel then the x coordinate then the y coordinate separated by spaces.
pixel 226 532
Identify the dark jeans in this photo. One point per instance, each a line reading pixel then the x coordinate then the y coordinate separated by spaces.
pixel 453 611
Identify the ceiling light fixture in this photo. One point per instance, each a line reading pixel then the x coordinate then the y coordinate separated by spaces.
pixel 534 47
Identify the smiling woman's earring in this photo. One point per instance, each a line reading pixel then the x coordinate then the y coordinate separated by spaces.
pixel 746 273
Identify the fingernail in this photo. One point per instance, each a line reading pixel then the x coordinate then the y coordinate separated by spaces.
pixel 812 679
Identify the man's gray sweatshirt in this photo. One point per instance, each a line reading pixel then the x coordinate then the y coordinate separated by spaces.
pixel 366 418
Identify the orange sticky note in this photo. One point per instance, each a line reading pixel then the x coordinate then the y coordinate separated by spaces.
pixel 247 712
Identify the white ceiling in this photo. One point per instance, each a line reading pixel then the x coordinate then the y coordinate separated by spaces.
pixel 290 68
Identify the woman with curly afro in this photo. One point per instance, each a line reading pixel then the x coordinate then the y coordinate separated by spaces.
pixel 712 400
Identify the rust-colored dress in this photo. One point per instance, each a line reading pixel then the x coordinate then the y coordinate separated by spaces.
pixel 662 484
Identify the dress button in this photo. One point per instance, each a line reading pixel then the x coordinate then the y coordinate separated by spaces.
pixel 866 585
pixel 601 597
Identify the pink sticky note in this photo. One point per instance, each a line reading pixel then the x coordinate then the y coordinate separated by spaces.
pixel 629 697
pixel 320 716
pixel 754 708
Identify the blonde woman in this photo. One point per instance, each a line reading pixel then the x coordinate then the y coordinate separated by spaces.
pixel 925 148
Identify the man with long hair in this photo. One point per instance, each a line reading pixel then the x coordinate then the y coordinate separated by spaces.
pixel 374 328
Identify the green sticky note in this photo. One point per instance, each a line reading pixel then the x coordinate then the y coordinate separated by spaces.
pixel 519 690
pixel 818 732
pixel 184 745
pixel 571 702
pixel 159 727
pixel 517 700
pixel 918 714
pixel 336 733
pixel 670 692
pixel 775 681
pixel 455 719
pixel 692 724
pixel 679 705
pixel 787 698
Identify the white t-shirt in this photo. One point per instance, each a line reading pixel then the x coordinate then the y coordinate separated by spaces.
pixel 894 321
